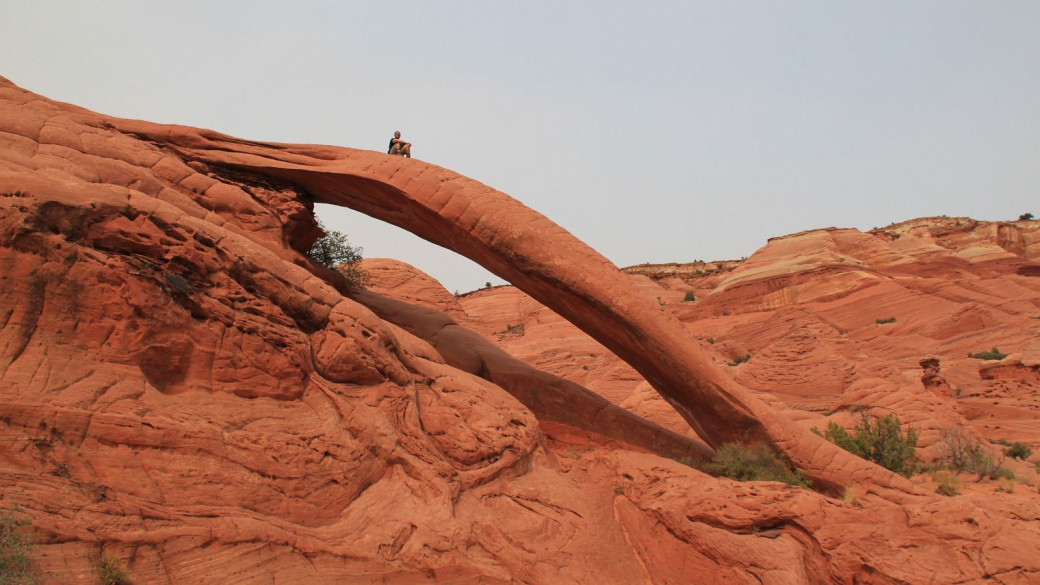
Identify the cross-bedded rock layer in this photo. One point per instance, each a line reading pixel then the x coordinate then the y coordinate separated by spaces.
pixel 182 388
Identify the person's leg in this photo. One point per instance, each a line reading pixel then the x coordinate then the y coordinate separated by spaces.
pixel 407 149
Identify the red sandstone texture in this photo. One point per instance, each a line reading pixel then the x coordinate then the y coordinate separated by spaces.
pixel 183 389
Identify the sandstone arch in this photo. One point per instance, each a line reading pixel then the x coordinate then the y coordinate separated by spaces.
pixel 548 263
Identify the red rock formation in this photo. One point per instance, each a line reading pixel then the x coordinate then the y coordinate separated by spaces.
pixel 550 398
pixel 546 262
pixel 182 388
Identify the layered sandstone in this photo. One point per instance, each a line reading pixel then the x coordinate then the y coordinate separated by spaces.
pixel 183 388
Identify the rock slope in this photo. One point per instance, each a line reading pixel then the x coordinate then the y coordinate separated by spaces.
pixel 183 389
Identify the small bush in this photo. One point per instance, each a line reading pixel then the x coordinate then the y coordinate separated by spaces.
pixel 1025 217
pixel 687 461
pixel 619 491
pixel 880 440
pixel 741 359
pixel 711 340
pixel 112 571
pixel 333 250
pixel 756 463
pixel 948 484
pixel 988 355
pixel 961 452
pixel 1018 451
pixel 850 496
pixel 1001 472
pixel 15 545
pixel 885 321
pixel 689 298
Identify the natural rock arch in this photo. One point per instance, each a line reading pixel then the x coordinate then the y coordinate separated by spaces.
pixel 549 264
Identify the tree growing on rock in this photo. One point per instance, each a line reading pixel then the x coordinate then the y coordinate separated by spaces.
pixel 880 440
pixel 334 251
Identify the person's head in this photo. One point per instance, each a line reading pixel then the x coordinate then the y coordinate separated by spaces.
pixel 397 134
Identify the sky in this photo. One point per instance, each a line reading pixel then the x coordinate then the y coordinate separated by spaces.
pixel 653 131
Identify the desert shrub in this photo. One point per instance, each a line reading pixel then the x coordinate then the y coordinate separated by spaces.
pixel 689 298
pixel 961 452
pixel 111 570
pixel 711 340
pixel 1001 472
pixel 1025 217
pixel 880 440
pixel 517 329
pixel 741 359
pixel 850 495
pixel 947 484
pixel 755 463
pixel 15 545
pixel 885 321
pixel 334 251
pixel 1018 451
pixel 994 354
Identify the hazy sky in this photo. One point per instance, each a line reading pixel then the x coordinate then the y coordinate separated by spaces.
pixel 654 131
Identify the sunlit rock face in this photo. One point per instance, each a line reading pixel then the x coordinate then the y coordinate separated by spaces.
pixel 183 389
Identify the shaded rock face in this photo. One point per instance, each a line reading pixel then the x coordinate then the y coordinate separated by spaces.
pixel 183 389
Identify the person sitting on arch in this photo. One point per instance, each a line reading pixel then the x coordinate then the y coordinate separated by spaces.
pixel 400 147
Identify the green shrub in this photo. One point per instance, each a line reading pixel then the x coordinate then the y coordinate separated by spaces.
pixel 880 440
pixel 112 571
pixel 689 298
pixel 885 321
pixel 15 545
pixel 1018 451
pixel 741 359
pixel 1025 217
pixel 961 452
pixel 756 463
pixel 988 355
pixel 1001 472
pixel 334 251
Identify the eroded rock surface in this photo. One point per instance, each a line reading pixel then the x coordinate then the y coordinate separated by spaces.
pixel 183 389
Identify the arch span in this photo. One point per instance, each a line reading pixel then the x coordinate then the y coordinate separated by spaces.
pixel 551 265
